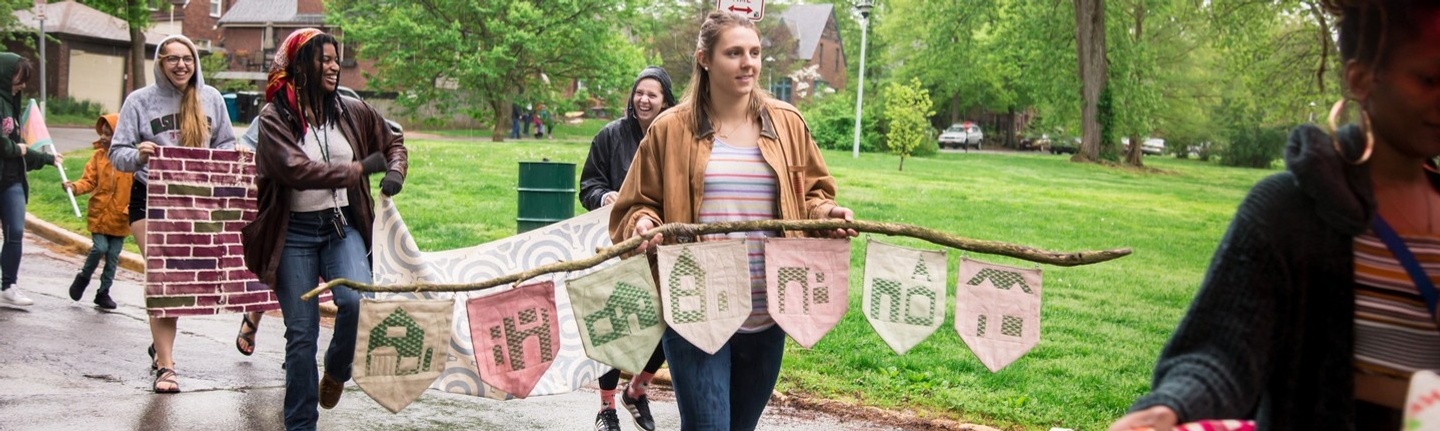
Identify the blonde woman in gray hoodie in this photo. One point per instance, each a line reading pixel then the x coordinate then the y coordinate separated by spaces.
pixel 177 110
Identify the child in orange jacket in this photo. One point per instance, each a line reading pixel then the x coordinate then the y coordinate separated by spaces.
pixel 107 216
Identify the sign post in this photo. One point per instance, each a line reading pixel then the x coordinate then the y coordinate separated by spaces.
pixel 753 9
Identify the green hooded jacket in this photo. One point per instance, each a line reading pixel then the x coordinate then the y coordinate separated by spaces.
pixel 10 141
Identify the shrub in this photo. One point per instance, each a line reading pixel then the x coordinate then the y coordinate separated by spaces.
pixel 1252 146
pixel 907 107
pixel 832 123
pixel 72 107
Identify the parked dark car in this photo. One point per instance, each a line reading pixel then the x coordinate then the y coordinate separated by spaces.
pixel 1035 143
pixel 1065 146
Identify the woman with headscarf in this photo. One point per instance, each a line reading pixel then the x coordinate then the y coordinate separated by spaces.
pixel 177 110
pixel 314 156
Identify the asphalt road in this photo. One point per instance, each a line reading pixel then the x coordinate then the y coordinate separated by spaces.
pixel 65 365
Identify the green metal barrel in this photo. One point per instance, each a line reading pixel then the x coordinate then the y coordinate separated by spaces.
pixel 547 194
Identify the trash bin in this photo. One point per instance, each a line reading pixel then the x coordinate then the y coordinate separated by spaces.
pixel 248 103
pixel 232 107
pixel 547 194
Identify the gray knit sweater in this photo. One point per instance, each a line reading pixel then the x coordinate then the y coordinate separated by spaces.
pixel 1270 333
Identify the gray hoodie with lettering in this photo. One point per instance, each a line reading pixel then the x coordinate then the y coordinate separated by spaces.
pixel 152 114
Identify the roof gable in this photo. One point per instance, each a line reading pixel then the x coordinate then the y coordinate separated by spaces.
pixel 72 18
pixel 808 23
pixel 261 12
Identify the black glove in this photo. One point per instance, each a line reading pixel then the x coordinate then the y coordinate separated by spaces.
pixel 392 183
pixel 373 164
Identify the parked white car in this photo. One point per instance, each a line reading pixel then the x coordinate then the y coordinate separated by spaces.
pixel 960 135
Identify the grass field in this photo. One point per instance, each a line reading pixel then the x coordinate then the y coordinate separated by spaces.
pixel 1102 324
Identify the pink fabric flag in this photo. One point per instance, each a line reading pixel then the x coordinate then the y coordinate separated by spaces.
pixel 997 311
pixel 807 285
pixel 1422 401
pixel 516 336
pixel 705 290
pixel 618 311
pixel 400 348
pixel 1218 425
pixel 904 297
pixel 37 136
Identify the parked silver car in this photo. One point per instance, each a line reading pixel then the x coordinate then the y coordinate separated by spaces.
pixel 962 135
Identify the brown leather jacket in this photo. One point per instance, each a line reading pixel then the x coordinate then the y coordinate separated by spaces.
pixel 667 177
pixel 282 166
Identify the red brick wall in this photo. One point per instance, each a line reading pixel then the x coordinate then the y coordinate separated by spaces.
pixel 309 6
pixel 198 201
pixel 198 24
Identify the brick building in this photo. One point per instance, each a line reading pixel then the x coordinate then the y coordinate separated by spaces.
pixel 87 56
pixel 818 45
pixel 253 29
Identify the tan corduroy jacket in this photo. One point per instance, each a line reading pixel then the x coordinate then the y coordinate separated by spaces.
pixel 666 181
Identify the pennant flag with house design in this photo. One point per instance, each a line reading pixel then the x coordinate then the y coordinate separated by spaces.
pixel 705 290
pixel 400 349
pixel 807 285
pixel 1422 401
pixel 904 293
pixel 997 311
pixel 516 336
pixel 618 309
pixel 398 260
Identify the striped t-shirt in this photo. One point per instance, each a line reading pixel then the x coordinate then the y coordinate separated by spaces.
pixel 739 186
pixel 1395 335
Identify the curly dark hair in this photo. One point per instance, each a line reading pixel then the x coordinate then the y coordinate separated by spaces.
pixel 1370 29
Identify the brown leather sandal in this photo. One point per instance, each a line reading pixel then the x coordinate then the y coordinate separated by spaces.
pixel 165 376
pixel 245 341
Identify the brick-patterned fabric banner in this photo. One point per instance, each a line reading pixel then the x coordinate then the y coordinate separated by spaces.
pixel 516 335
pixel 997 311
pixel 904 296
pixel 705 290
pixel 807 285
pixel 618 309
pixel 400 349
pixel 198 200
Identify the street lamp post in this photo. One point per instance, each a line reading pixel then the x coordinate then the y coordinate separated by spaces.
pixel 40 15
pixel 769 84
pixel 864 7
pixel 1312 112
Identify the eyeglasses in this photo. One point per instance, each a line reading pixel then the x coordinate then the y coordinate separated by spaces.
pixel 172 60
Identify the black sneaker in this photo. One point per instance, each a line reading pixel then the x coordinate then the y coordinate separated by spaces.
pixel 102 300
pixel 639 409
pixel 77 288
pixel 607 421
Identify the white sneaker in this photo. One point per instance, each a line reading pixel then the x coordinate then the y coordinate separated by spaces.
pixel 13 296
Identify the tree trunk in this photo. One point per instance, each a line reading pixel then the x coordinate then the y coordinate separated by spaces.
pixel 502 120
pixel 954 109
pixel 1090 47
pixel 1137 148
pixel 1010 129
pixel 902 163
pixel 137 59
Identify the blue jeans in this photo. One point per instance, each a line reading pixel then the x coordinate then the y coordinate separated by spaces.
pixel 12 223
pixel 109 247
pixel 515 128
pixel 727 390
pixel 313 251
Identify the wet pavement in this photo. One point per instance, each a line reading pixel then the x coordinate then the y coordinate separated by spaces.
pixel 66 365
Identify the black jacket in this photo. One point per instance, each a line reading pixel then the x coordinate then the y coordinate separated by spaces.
pixel 1270 334
pixel 614 147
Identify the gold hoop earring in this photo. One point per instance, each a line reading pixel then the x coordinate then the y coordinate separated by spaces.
pixel 1364 127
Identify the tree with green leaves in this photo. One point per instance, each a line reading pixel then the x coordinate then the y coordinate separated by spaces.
pixel 476 58
pixel 136 14
pixel 908 109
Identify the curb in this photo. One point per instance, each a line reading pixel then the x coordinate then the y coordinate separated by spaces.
pixel 76 243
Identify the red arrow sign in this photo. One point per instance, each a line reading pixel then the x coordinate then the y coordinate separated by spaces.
pixel 746 10
pixel 752 9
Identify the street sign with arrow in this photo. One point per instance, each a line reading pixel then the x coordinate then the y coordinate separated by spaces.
pixel 753 9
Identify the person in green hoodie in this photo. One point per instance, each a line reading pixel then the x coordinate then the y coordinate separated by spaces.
pixel 15 160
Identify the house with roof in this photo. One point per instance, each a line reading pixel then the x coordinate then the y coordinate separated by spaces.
pixel 818 45
pixel 196 19
pixel 252 30
pixel 87 55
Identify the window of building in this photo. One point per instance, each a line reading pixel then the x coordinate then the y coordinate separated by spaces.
pixel 215 6
pixel 781 89
pixel 837 58
pixel 820 55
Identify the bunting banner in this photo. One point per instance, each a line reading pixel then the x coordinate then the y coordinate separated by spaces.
pixel 807 285
pixel 997 311
pixel 904 293
pixel 705 290
pixel 516 335
pixel 618 310
pixel 1422 401
pixel 398 260
pixel 400 349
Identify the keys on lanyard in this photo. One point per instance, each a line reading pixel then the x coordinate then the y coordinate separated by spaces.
pixel 338 222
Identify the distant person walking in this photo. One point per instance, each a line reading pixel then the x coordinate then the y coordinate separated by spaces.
pixel 610 154
pixel 15 160
pixel 107 215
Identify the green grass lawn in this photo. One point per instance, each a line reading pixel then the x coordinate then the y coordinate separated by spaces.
pixel 1102 324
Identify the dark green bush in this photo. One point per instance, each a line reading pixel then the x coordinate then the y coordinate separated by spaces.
pixel 72 107
pixel 832 123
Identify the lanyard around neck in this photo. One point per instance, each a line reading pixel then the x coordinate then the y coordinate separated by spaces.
pixel 1407 259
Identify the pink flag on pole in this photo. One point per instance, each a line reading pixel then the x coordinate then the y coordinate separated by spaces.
pixel 997 311
pixel 37 136
pixel 807 285
pixel 516 336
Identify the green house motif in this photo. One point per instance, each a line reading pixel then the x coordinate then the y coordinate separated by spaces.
pixel 1002 280
pixel 900 296
pixel 687 266
pixel 628 300
pixel 397 347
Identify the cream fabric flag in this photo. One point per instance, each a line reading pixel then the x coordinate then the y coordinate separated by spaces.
pixel 516 335
pixel 1422 403
pixel 400 349
pixel 904 296
pixel 705 290
pixel 997 311
pixel 807 285
pixel 618 310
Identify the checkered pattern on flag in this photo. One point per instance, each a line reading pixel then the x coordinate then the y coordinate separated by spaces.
pixel 904 296
pixel 400 349
pixel 997 311
pixel 516 336
pixel 618 309
pixel 807 285
pixel 705 290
